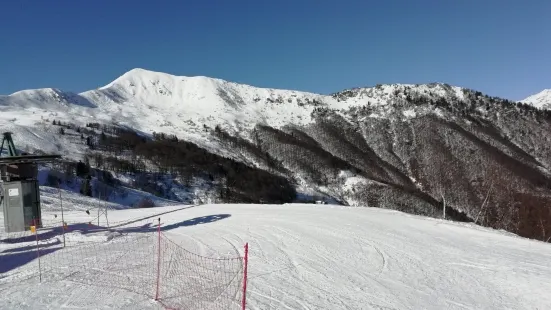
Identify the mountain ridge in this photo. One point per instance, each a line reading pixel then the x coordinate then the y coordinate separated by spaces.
pixel 141 75
pixel 410 147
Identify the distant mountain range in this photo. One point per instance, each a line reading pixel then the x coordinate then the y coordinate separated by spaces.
pixel 413 148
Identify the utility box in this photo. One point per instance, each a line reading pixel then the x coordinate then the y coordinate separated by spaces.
pixel 19 191
pixel 21 205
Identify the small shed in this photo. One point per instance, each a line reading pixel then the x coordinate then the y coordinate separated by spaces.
pixel 19 188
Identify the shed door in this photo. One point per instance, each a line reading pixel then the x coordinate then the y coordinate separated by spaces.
pixel 14 207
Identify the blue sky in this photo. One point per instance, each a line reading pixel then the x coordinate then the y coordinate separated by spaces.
pixel 500 47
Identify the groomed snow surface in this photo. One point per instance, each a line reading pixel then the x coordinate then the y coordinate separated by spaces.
pixel 309 257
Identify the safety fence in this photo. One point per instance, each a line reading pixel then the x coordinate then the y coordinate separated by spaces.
pixel 138 258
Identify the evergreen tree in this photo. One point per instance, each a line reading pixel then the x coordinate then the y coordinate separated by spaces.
pixel 86 187
pixel 83 169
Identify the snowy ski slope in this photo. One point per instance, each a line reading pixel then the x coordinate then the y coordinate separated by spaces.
pixel 330 257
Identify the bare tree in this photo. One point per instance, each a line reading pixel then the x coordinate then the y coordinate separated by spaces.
pixel 484 204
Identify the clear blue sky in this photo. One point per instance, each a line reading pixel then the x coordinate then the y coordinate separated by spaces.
pixel 500 47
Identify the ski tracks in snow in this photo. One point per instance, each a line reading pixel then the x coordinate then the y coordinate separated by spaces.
pixel 309 257
pixel 282 269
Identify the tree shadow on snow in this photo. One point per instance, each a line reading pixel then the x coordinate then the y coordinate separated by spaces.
pixel 15 260
pixel 151 227
pixel 31 247
pixel 151 216
pixel 84 227
pixel 49 233
pixel 16 257
pixel 88 228
pixel 30 237
pixel 196 221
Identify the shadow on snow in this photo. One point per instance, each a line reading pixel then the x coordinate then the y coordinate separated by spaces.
pixel 16 257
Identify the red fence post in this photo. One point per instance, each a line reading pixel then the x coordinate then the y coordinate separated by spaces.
pixel 246 263
pixel 158 258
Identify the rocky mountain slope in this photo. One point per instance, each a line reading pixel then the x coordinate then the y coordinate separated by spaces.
pixel 415 148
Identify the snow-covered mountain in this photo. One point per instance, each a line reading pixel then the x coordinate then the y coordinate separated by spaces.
pixel 541 100
pixel 411 147
pixel 158 102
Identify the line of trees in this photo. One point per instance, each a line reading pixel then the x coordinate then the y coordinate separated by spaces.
pixel 125 151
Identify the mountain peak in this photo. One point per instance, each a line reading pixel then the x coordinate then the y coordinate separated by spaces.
pixel 145 77
pixel 37 91
pixel 45 98
pixel 541 100
pixel 138 76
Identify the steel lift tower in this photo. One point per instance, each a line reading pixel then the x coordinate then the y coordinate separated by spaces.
pixel 19 189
